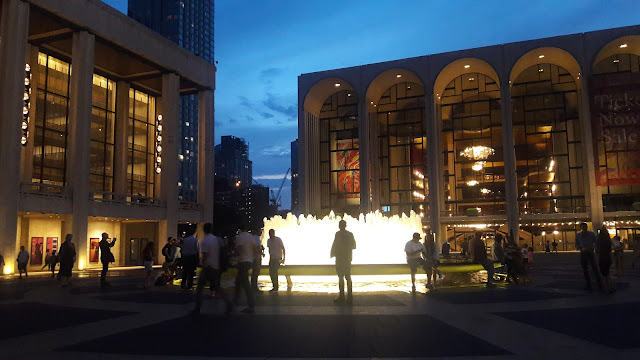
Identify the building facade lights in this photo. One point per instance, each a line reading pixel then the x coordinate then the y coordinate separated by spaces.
pixel 26 105
pixel 158 162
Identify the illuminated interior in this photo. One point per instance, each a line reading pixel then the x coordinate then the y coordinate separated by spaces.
pixel 141 134
pixel 379 239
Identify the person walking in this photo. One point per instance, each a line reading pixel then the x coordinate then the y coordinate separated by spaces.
pixel 257 260
pixel 603 249
pixel 67 258
pixel 23 260
pixel 190 255
pixel 276 257
pixel 53 261
pixel 210 248
pixel 47 257
pixel 618 255
pixel 245 247
pixel 106 257
pixel 479 256
pixel 586 243
pixel 342 249
pixel 147 256
pixel 414 250
pixel 554 244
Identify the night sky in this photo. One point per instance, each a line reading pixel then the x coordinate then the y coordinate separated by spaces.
pixel 263 46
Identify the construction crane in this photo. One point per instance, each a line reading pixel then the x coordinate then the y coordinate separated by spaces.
pixel 275 199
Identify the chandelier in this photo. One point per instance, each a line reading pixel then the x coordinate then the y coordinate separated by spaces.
pixel 477 152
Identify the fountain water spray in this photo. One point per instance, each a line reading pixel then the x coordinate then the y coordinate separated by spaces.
pixel 379 239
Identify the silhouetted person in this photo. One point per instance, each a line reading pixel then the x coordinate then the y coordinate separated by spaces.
pixel 554 244
pixel 47 257
pixel 245 248
pixel 53 260
pixel 257 260
pixel 446 248
pixel 147 256
pixel 277 255
pixel 190 254
pixel 603 248
pixel 586 243
pixel 106 257
pixel 23 260
pixel 342 249
pixel 618 255
pixel 414 250
pixel 478 253
pixel 66 257
pixel 210 251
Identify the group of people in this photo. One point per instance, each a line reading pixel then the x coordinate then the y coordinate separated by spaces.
pixel 589 244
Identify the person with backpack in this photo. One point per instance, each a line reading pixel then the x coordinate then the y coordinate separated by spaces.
pixel 210 249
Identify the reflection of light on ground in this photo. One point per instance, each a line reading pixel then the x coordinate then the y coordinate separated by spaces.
pixel 379 239
pixel 361 283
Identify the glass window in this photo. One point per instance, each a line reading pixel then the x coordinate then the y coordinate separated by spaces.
pixel 141 144
pixel 102 134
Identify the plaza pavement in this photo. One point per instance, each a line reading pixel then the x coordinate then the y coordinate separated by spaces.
pixel 549 318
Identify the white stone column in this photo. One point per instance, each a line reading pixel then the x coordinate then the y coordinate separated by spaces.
pixel 206 139
pixel 14 28
pixel 433 125
pixel 78 161
pixel 509 158
pixel 121 138
pixel 363 140
pixel 26 161
pixel 592 191
pixel 169 110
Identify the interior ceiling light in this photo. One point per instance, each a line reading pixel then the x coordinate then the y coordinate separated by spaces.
pixel 471 79
pixel 472 182
pixel 623 46
pixel 467 66
pixel 477 152
pixel 616 61
pixel 541 56
pixel 477 166
pixel 398 76
pixel 337 84
pixel 485 191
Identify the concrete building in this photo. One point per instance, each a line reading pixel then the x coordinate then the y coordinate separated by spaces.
pixel 94 149
pixel 255 205
pixel 294 177
pixel 434 134
pixel 190 24
pixel 233 162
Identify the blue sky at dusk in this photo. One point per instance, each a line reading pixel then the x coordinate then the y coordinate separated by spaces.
pixel 263 46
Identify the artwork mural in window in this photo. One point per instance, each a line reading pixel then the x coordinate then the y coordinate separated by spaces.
pixel 348 162
pixel 94 250
pixel 36 250
pixel 52 244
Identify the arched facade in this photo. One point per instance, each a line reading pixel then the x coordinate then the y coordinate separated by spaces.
pixel 510 135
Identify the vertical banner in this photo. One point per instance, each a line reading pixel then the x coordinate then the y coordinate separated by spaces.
pixel 94 250
pixel 615 123
pixel 348 158
pixel 36 251
pixel 52 244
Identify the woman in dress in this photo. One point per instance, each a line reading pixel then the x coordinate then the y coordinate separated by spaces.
pixel 66 257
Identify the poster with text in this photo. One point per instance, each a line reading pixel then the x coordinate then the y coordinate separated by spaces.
pixel 615 124
pixel 36 251
pixel 94 250
pixel 348 158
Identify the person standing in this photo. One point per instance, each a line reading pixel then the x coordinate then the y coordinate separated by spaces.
pixel 586 243
pixel 47 258
pixel 603 249
pixel 147 256
pixel 245 247
pixel 190 254
pixel 277 255
pixel 67 258
pixel 53 260
pixel 210 250
pixel 1 263
pixel 257 260
pixel 342 249
pixel 414 250
pixel 554 244
pixel 479 256
pixel 446 249
pixel 23 260
pixel 106 257
pixel 618 254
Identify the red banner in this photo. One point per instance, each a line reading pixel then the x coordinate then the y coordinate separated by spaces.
pixel 348 159
pixel 615 124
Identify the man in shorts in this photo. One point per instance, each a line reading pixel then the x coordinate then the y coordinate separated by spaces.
pixel 414 250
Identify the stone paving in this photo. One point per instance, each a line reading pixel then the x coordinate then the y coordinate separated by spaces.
pixel 551 317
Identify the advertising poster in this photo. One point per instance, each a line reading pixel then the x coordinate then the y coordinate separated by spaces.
pixel 348 158
pixel 36 251
pixel 615 124
pixel 52 244
pixel 94 250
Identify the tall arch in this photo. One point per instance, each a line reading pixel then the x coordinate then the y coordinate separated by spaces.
pixel 396 110
pixel 615 114
pixel 547 136
pixel 468 96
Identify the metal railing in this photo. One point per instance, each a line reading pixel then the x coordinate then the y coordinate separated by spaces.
pixel 188 205
pixel 125 199
pixel 45 190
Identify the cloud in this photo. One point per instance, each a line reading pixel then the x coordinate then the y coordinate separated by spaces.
pixel 266 115
pixel 271 177
pixel 270 72
pixel 277 150
pixel 272 103
pixel 244 101
pixel 233 120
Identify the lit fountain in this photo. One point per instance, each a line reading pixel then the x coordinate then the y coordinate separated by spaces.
pixel 379 239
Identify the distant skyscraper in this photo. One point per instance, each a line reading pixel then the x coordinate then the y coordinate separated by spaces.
pixel 190 24
pixel 294 176
pixel 232 161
